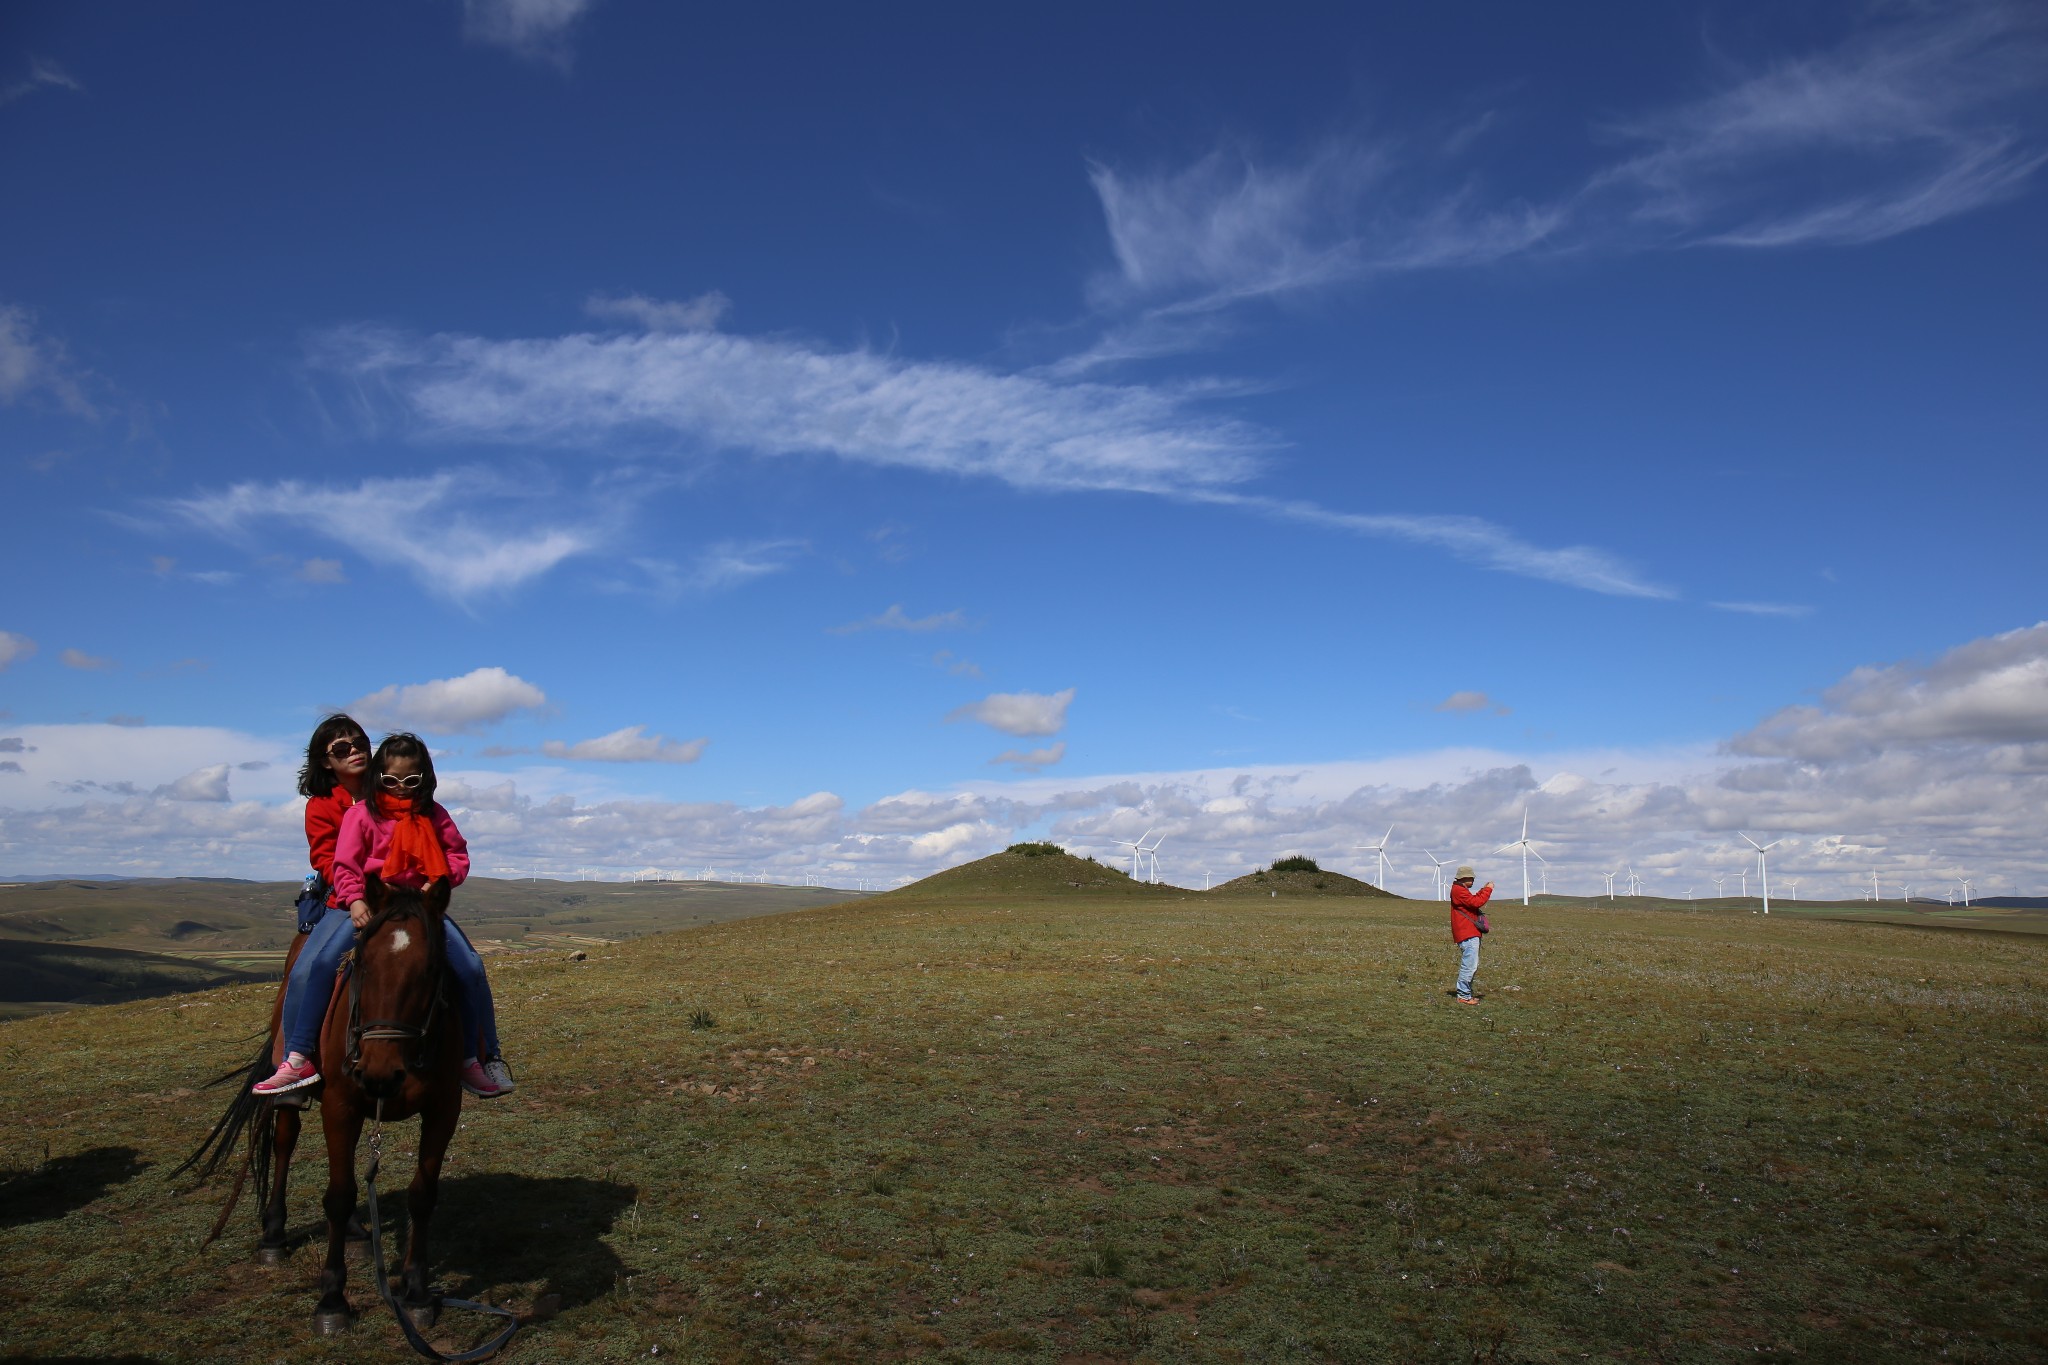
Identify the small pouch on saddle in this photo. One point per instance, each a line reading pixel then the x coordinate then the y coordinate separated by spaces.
pixel 312 901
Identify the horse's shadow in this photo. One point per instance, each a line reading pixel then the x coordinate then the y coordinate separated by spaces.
pixel 68 1183
pixel 508 1229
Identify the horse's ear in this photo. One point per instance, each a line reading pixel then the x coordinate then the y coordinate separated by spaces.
pixel 437 894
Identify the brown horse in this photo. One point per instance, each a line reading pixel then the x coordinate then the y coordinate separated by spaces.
pixel 398 1040
pixel 390 1049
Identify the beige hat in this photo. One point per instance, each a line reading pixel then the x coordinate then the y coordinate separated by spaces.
pixel 1465 873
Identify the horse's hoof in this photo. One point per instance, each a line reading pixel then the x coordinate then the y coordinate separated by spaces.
pixel 424 1315
pixel 266 1254
pixel 332 1322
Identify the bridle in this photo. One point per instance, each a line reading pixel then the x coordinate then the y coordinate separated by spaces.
pixel 413 906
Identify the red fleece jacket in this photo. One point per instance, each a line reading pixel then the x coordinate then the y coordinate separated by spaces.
pixel 1465 907
pixel 323 829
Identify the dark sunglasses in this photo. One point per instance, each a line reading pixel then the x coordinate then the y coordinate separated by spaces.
pixel 342 748
pixel 409 783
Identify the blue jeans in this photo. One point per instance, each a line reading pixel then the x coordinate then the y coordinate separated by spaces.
pixel 1468 963
pixel 311 983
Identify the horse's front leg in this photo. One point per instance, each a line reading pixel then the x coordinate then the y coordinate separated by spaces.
pixel 437 1129
pixel 284 1140
pixel 344 1127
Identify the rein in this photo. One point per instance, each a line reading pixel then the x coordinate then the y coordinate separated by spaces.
pixel 412 1333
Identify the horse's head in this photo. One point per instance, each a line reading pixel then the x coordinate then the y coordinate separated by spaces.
pixel 396 982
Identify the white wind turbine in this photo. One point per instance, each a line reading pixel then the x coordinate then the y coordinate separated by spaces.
pixel 1527 849
pixel 1440 865
pixel 1966 892
pixel 1380 848
pixel 1763 870
pixel 1720 879
pixel 1635 883
pixel 1152 856
pixel 1610 876
pixel 1137 848
pixel 1876 893
pixel 1795 891
pixel 1745 883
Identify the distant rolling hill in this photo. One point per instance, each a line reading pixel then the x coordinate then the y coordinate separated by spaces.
pixel 71 942
pixel 1012 873
pixel 1274 884
pixel 36 977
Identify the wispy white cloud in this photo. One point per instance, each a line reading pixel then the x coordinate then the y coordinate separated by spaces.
pixel 320 571
pixel 43 74
pixel 700 314
pixel 1469 538
pixel 720 567
pixel 202 784
pixel 1907 123
pixel 954 664
pixel 630 745
pixel 14 647
pixel 479 698
pixel 535 29
pixel 895 618
pixel 33 364
pixel 84 662
pixel 461 533
pixel 1787 609
pixel 1024 714
pixel 707 393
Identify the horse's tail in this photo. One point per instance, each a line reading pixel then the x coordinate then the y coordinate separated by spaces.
pixel 228 1128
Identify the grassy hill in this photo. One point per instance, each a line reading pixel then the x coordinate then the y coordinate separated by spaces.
pixel 1030 876
pixel 1133 1127
pixel 1267 884
pixel 36 977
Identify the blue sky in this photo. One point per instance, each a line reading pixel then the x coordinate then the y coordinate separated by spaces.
pixel 808 441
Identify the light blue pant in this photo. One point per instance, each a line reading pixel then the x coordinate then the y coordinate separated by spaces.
pixel 311 983
pixel 1468 963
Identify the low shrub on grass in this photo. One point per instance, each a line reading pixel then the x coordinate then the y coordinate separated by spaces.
pixel 1296 863
pixel 1036 850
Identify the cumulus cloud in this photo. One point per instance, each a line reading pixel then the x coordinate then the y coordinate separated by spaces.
pixel 33 364
pixel 630 745
pixel 895 618
pixel 700 314
pixel 1989 692
pixel 1032 760
pixel 1024 714
pixel 13 647
pixel 461 533
pixel 84 662
pixel 204 784
pixel 479 698
pixel 535 29
pixel 1468 702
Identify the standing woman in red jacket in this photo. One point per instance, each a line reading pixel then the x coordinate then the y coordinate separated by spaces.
pixel 1468 922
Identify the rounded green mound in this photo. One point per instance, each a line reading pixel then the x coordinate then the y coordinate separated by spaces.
pixel 1319 883
pixel 1037 873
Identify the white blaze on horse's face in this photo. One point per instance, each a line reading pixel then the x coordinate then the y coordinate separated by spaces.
pixel 400 940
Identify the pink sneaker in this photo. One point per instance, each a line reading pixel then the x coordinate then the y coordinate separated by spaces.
pixel 478 1082
pixel 295 1074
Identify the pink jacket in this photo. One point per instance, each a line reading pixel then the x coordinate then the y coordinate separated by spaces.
pixel 365 839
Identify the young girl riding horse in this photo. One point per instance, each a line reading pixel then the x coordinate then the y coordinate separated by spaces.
pixel 349 836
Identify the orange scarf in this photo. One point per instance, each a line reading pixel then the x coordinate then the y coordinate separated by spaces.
pixel 415 846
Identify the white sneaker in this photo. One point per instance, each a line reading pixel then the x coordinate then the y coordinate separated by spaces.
pixel 501 1075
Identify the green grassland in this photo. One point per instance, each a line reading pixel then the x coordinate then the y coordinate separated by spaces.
pixel 1057 1122
pixel 89 942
